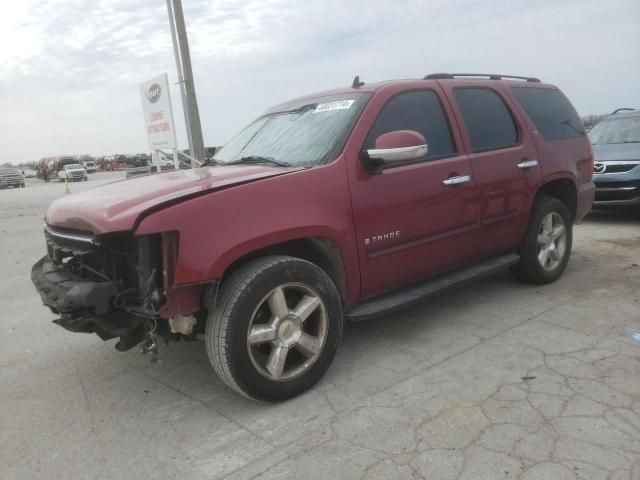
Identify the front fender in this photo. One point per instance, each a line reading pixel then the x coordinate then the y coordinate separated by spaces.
pixel 217 229
pixel 244 248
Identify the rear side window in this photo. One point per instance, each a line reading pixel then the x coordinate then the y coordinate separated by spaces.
pixel 420 111
pixel 487 118
pixel 550 111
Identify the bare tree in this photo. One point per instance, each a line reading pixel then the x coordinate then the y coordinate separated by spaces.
pixel 591 121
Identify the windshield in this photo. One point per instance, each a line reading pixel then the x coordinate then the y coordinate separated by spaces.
pixel 5 171
pixel 301 133
pixel 73 166
pixel 616 130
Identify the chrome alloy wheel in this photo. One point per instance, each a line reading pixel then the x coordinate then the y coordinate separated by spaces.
pixel 287 332
pixel 552 241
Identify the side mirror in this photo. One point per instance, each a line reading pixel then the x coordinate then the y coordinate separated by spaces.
pixel 395 147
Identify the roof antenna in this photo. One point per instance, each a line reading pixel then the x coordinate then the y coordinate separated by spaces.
pixel 356 82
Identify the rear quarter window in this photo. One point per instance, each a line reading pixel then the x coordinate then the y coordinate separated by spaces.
pixel 550 111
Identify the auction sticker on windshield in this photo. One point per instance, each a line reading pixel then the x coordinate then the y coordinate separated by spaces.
pixel 337 105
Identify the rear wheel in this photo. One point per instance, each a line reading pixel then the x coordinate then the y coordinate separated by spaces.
pixel 546 247
pixel 275 328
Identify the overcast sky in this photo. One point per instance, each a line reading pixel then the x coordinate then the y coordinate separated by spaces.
pixel 69 70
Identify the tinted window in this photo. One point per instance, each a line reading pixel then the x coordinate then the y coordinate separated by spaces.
pixel 420 111
pixel 487 119
pixel 550 111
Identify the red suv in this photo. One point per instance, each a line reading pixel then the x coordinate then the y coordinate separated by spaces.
pixel 341 205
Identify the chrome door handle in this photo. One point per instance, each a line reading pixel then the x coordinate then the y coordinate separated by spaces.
pixel 527 164
pixel 456 180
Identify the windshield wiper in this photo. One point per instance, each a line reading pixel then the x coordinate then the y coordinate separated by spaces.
pixel 257 159
pixel 568 123
pixel 302 109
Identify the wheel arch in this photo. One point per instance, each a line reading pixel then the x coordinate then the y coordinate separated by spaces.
pixel 564 189
pixel 321 251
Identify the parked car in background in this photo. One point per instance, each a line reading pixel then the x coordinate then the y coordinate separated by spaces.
pixel 72 172
pixel 345 204
pixel 90 167
pixel 11 177
pixel 164 162
pixel 139 160
pixel 616 145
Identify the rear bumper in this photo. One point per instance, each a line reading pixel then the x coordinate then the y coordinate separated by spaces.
pixel 586 195
pixel 86 306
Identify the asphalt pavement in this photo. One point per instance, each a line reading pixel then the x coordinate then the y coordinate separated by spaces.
pixel 495 380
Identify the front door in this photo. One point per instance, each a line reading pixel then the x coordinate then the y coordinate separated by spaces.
pixel 411 220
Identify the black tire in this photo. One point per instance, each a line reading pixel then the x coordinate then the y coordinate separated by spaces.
pixel 239 299
pixel 530 268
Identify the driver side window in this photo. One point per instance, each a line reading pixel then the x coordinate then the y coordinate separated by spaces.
pixel 420 111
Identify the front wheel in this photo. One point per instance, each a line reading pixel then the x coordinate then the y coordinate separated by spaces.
pixel 546 247
pixel 275 328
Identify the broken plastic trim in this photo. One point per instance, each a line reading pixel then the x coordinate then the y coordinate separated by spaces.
pixel 70 236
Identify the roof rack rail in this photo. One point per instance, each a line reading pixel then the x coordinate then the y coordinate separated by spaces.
pixel 623 109
pixel 490 76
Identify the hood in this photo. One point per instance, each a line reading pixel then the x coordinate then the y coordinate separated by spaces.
pixel 616 151
pixel 117 206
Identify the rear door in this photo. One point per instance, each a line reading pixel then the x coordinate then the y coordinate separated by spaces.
pixel 409 223
pixel 503 160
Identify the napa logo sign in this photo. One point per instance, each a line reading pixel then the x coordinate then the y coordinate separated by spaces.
pixel 154 92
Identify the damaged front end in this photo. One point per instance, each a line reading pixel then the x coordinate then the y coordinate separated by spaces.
pixel 115 285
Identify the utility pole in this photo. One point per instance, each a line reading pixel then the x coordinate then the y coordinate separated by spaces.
pixel 185 79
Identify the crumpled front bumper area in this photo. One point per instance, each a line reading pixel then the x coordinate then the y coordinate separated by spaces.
pixel 85 306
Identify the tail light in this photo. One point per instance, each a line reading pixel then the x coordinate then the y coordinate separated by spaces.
pixel 592 160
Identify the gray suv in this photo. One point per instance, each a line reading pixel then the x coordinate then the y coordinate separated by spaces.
pixel 616 145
